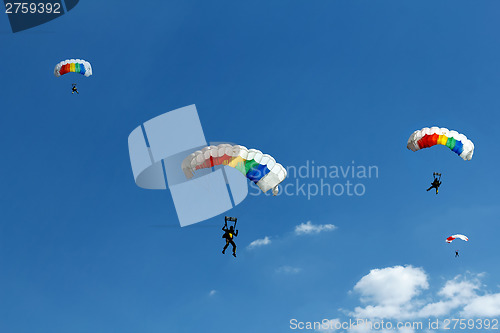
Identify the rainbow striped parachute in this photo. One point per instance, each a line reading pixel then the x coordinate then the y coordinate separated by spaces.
pixel 260 168
pixel 73 66
pixel 428 137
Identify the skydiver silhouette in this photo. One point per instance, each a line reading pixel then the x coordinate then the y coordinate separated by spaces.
pixel 74 89
pixel 228 235
pixel 456 253
pixel 436 182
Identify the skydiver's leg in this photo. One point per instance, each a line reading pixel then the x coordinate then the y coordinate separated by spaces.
pixel 234 247
pixel 430 188
pixel 225 247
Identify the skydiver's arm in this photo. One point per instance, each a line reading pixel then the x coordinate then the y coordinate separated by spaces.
pixel 236 233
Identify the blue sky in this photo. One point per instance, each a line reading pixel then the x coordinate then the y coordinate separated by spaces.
pixel 83 249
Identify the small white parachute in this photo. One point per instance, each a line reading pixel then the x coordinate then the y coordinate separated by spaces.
pixel 452 238
pixel 78 66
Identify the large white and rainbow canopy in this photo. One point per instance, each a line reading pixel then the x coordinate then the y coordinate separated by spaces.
pixel 260 168
pixel 428 137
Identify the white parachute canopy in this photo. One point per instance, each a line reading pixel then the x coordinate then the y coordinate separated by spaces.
pixel 429 137
pixel 452 238
pixel 260 168
pixel 78 66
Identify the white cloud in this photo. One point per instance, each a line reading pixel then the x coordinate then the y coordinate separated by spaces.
pixel 309 228
pixel 259 242
pixel 483 306
pixel 459 287
pixel 392 286
pixel 212 292
pixel 397 293
pixel 455 294
pixel 288 270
